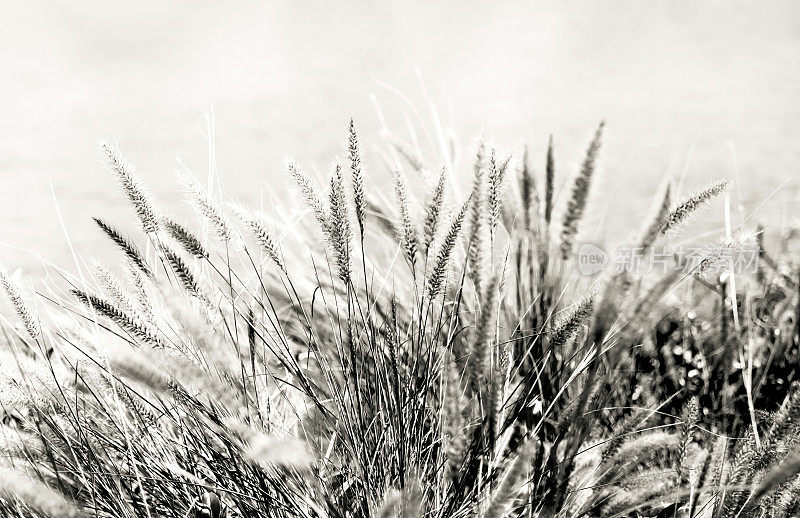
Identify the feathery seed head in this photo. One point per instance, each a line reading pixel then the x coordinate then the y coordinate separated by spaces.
pixel 433 209
pixel 268 243
pixel 477 220
pixel 566 329
pixel 29 319
pixel 144 367
pixel 484 334
pixel 654 230
pixel 127 246
pixel 494 196
pixel 185 237
pixel 406 229
pixel 132 186
pixel 113 287
pixel 206 206
pixel 182 271
pixel 580 193
pixel 130 322
pixel 309 194
pixel 681 212
pixel 143 294
pixel 549 169
pixel 439 270
pixel 356 160
pixel 339 231
pixel 528 192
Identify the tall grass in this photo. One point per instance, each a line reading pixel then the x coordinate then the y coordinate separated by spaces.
pixel 438 361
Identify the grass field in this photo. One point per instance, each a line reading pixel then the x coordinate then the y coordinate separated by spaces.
pixel 419 347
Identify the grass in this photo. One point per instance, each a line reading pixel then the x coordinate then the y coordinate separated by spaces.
pixel 436 359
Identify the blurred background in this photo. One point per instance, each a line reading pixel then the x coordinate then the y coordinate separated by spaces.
pixel 695 90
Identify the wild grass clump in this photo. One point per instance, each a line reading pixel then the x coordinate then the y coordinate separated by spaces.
pixel 434 359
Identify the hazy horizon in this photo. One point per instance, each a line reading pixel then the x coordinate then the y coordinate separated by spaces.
pixel 694 88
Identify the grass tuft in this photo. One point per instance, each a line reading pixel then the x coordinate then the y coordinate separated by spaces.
pixel 489 379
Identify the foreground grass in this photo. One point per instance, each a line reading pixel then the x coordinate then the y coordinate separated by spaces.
pixel 433 359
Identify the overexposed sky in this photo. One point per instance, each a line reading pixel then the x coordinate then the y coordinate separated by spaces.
pixel 700 86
